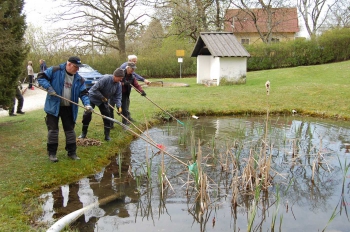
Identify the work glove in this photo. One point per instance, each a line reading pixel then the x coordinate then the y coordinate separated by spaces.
pixel 119 110
pixel 104 99
pixel 143 94
pixel 51 91
pixel 89 109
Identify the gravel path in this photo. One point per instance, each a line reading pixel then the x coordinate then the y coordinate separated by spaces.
pixel 33 100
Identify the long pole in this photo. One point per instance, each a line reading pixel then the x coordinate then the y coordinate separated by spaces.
pixel 114 109
pixel 159 107
pixel 121 124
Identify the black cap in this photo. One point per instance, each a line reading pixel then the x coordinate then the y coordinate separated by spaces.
pixel 118 72
pixel 131 65
pixel 75 60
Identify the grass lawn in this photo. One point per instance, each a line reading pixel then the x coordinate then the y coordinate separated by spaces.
pixel 26 173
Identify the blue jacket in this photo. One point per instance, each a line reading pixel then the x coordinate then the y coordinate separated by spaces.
pixel 106 88
pixel 54 76
pixel 138 77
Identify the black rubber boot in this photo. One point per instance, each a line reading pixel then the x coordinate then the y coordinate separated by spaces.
pixel 52 156
pixel 83 132
pixel 107 131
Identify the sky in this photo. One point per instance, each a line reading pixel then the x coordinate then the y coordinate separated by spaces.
pixel 38 10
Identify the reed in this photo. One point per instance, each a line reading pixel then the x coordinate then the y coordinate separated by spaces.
pixel 342 202
pixel 274 215
pixel 148 168
pixel 254 207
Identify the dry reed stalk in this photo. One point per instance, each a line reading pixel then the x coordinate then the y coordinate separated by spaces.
pixel 188 182
pixel 162 182
pixel 313 170
pixel 199 157
pixel 203 197
pixel 265 170
pixel 235 191
pixel 252 170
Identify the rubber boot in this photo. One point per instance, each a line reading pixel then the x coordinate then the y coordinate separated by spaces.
pixel 73 155
pixel 107 131
pixel 52 156
pixel 83 132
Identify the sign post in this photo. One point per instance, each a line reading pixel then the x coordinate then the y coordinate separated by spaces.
pixel 180 54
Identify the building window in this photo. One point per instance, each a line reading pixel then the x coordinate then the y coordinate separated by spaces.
pixel 244 41
pixel 275 40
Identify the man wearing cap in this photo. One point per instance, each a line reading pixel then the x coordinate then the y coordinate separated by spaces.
pixel 107 87
pixel 128 81
pixel 63 82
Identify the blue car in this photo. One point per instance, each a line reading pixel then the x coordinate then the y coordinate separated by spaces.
pixel 90 75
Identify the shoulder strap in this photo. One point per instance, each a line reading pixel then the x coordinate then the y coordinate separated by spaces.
pixel 55 68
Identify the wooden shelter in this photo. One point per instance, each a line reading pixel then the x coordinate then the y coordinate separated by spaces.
pixel 220 58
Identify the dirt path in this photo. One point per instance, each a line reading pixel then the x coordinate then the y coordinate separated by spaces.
pixel 33 100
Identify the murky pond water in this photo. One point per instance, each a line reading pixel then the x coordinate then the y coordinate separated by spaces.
pixel 308 185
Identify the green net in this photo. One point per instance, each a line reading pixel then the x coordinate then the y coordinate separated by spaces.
pixel 193 169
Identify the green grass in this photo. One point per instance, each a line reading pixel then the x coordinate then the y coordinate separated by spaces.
pixel 26 173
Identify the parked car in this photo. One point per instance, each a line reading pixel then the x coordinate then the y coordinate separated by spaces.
pixel 90 75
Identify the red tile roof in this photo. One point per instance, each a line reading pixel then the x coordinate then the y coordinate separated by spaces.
pixel 283 20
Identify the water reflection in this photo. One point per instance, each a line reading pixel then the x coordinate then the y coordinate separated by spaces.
pixel 308 178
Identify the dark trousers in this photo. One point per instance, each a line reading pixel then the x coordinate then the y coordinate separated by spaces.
pixel 66 115
pixel 104 109
pixel 125 107
pixel 20 100
pixel 30 77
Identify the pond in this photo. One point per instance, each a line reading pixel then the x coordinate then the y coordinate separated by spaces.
pixel 290 174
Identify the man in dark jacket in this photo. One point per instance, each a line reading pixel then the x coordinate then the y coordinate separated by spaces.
pixel 20 100
pixel 128 80
pixel 42 65
pixel 107 87
pixel 64 81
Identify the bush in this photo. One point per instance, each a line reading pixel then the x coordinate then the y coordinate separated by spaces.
pixel 331 46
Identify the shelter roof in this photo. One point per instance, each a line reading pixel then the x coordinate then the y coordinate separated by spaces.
pixel 219 44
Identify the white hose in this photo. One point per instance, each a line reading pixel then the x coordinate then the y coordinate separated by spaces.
pixel 72 217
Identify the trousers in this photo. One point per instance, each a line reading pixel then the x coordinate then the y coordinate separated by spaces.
pixel 66 115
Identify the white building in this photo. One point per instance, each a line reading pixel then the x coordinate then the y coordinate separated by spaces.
pixel 220 58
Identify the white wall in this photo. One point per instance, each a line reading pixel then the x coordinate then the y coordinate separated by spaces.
pixel 210 68
pixel 233 68
pixel 203 68
pixel 215 69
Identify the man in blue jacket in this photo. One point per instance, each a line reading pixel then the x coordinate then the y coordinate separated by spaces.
pixel 64 81
pixel 107 87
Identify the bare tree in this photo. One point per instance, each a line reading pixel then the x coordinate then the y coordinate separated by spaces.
pixel 314 13
pixel 267 17
pixel 101 23
pixel 340 15
pixel 43 42
pixel 190 17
